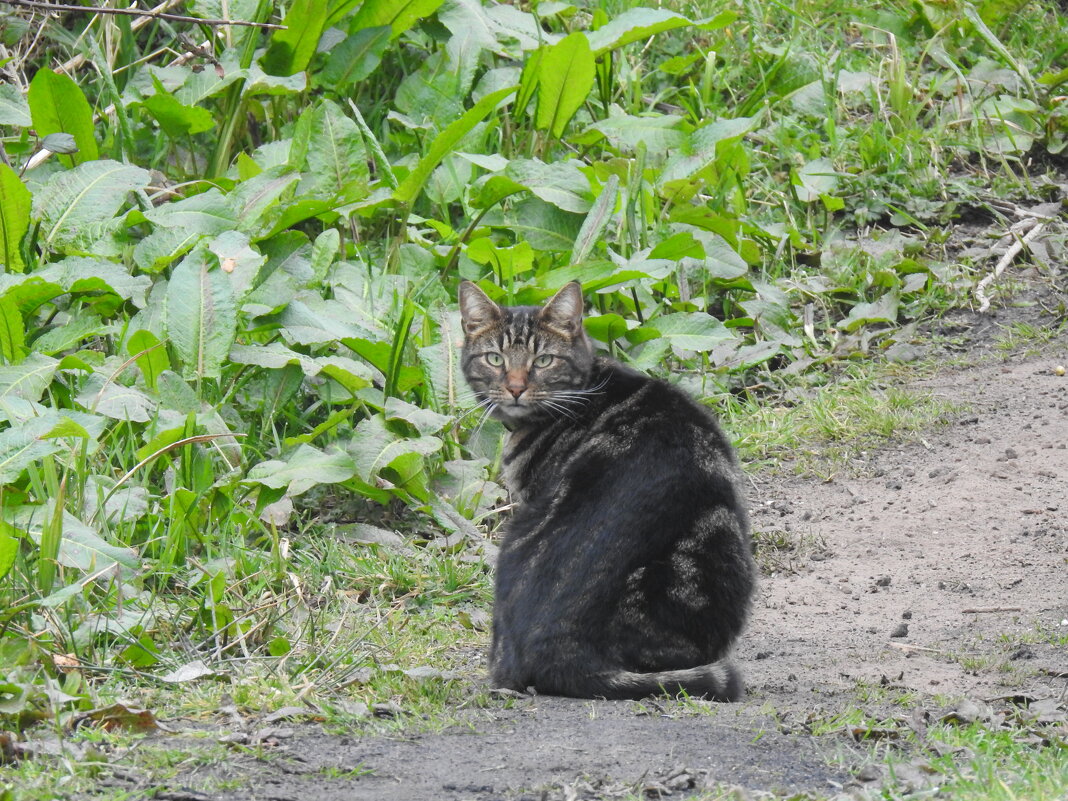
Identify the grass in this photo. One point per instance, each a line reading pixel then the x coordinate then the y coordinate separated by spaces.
pixel 824 427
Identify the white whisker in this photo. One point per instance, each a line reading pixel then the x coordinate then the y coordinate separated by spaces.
pixel 556 407
pixel 482 420
pixel 480 405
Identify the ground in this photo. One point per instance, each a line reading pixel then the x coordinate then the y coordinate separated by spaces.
pixel 922 583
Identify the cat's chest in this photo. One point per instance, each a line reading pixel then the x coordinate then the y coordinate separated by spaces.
pixel 517 460
pixel 531 462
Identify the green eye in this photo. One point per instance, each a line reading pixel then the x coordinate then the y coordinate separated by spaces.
pixel 495 359
pixel 544 360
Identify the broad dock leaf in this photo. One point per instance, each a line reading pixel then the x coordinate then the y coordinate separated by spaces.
pixel 77 206
pixel 565 78
pixel 57 105
pixel 201 315
pixel 15 204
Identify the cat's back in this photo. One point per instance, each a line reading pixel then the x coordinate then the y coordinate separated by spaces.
pixel 638 431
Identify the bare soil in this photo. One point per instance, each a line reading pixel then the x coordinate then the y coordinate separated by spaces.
pixel 930 572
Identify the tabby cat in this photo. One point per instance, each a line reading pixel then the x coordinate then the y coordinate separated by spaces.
pixel 626 569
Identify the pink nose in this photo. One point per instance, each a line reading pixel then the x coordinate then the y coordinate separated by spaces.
pixel 516 391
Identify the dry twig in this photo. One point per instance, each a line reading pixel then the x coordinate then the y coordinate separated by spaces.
pixel 1010 254
pixel 981 610
pixel 134 12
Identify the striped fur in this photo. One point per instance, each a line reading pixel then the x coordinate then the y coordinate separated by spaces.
pixel 626 569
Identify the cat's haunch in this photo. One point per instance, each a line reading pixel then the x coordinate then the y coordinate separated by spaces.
pixel 626 569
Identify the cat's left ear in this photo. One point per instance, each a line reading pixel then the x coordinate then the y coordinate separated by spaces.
pixel 563 312
pixel 477 310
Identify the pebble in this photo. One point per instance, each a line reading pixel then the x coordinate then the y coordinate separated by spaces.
pixel 901 630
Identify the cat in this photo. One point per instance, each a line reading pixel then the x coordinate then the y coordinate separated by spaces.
pixel 626 569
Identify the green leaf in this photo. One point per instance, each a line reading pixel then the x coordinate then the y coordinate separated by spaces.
pixel 445 143
pixel 81 325
pixel 658 133
pixel 565 78
pixel 257 201
pixel 78 206
pixel 528 80
pixel 814 180
pixel 176 118
pixel 66 427
pixel 312 321
pixel 336 163
pixel 561 183
pixel 374 447
pixel 701 147
pixel 77 275
pixel 544 226
pixel 641 23
pixel 400 15
pixel 596 220
pixel 150 354
pixel 721 260
pixel 291 49
pixel 353 59
pixel 22 446
pixel 491 189
pixel 306 467
pixel 201 316
pixel 205 213
pixel 9 547
pixel 12 332
pixel 57 105
pixel 606 327
pixel 81 546
pixel 273 356
pixel 15 203
pixel 14 110
pixel 238 261
pixel 27 380
pixel 425 421
pixel 883 310
pixel 116 401
pixel 691 330
pixel 351 374
pixel 441 364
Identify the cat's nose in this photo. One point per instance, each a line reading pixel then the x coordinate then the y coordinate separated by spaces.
pixel 515 381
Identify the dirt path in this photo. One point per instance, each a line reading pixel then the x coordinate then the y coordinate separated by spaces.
pixel 937 570
pixel 934 571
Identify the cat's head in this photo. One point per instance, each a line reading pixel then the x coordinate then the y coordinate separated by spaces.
pixel 525 362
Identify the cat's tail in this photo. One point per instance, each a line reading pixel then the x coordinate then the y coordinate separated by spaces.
pixel 719 681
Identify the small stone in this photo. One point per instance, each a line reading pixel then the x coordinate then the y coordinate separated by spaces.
pixel 967 711
pixel 1010 453
pixel 388 709
pixel 906 615
pixel 869 773
pixel 901 630
pixel 883 581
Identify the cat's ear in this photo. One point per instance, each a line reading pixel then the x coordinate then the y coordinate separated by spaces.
pixel 563 312
pixel 476 309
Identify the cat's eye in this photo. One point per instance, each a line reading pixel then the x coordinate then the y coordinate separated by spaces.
pixel 544 360
pixel 494 359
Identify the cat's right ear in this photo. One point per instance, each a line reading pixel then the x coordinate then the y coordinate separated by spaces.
pixel 476 309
